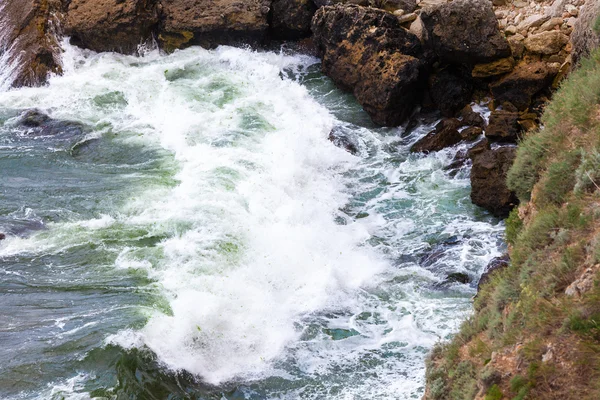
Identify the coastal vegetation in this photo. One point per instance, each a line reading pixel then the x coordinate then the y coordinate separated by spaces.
pixel 536 329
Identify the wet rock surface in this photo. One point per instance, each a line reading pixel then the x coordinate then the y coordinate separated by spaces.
pixel 28 31
pixel 368 52
pixel 446 134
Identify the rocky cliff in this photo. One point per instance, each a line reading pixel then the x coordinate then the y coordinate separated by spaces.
pixel 534 333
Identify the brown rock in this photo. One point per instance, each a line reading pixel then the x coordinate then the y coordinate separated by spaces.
pixel 516 45
pixel 111 25
pixel 523 83
pixel 551 24
pixel 488 180
pixel 465 32
pixel 494 68
pixel 32 47
pixel 471 118
pixel 503 126
pixel 291 19
pixel 368 52
pixel 471 133
pixel 550 42
pixel 450 88
pixel 212 23
pixel 445 135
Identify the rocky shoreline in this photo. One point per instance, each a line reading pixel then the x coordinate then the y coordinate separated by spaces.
pixel 395 56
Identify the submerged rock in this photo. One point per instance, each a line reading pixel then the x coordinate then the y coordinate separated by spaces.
pixel 342 137
pixel 488 179
pixel 368 52
pixel 465 32
pixel 2 236
pixel 40 124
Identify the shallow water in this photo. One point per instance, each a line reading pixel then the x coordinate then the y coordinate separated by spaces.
pixel 198 236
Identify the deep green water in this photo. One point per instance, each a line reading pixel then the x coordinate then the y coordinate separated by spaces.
pixel 193 234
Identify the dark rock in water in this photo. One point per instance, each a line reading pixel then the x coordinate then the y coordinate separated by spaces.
pixel 459 161
pixel 445 135
pixel 496 264
pixel 291 19
pixel 343 138
pixel 479 147
pixel 2 236
pixel 40 124
pixel 521 85
pixel 212 23
pixel 503 127
pixel 488 180
pixel 471 118
pixel 458 277
pixel 437 252
pixel 471 133
pixel 111 25
pixel 450 89
pixel 465 32
pixel 368 52
pixel 420 119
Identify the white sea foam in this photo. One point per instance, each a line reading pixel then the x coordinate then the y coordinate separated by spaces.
pixel 252 258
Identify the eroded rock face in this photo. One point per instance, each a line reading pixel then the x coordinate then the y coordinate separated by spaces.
pixel 28 35
pixel 488 179
pixel 368 52
pixel 584 38
pixel 521 85
pixel 291 19
pixel 111 25
pixel 465 32
pixel 211 23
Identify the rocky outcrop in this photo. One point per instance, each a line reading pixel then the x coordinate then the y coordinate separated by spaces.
pixel 111 25
pixel 520 86
pixel 211 23
pixel 29 39
pixel 488 180
pixel 465 32
pixel 291 19
pixel 368 52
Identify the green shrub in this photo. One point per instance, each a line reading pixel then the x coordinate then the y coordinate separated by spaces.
pixel 558 180
pixel 588 173
pixel 527 166
pixel 494 393
pixel 514 225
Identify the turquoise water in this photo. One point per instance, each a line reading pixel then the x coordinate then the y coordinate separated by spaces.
pixel 193 234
